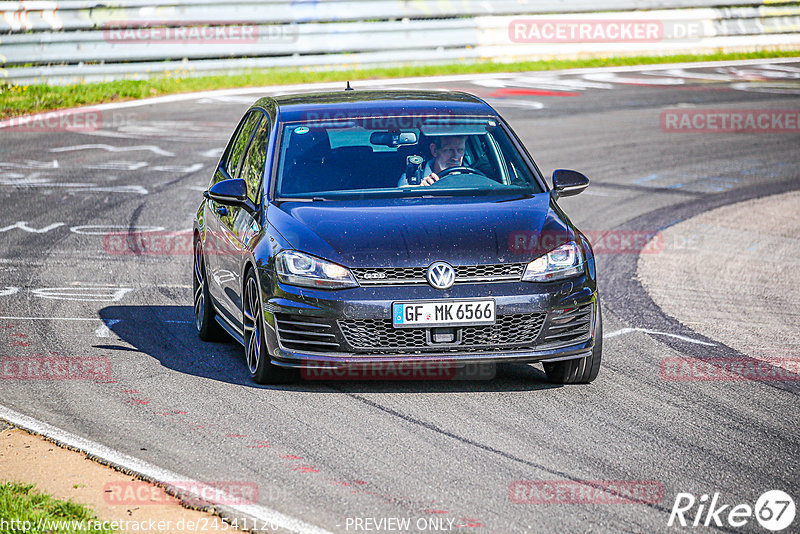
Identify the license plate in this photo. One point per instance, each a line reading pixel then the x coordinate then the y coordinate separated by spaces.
pixel 443 313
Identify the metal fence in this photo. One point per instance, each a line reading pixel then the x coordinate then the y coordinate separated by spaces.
pixel 75 41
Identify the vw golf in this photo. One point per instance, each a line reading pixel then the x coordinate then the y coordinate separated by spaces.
pixel 392 227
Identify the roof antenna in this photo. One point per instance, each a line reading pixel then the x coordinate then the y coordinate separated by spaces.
pixel 348 88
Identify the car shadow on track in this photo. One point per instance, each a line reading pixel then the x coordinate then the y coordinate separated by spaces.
pixel 167 333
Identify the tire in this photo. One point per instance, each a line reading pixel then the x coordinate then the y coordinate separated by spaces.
pixel 207 327
pixel 261 368
pixel 581 371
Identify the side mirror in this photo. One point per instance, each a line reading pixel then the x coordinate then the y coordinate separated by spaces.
pixel 231 192
pixel 567 183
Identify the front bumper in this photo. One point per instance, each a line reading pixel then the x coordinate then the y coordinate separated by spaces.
pixel 308 328
pixel 297 360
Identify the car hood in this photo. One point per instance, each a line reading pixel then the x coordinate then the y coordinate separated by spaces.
pixel 415 232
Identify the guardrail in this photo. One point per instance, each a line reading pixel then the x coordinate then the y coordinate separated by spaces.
pixel 76 41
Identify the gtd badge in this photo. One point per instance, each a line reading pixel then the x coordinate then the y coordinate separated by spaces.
pixel 441 275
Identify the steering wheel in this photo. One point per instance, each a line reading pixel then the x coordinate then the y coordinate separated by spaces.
pixel 459 169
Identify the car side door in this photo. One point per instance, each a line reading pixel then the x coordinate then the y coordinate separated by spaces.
pixel 242 225
pixel 219 218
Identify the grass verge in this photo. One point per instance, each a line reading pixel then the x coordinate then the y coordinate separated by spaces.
pixel 24 510
pixel 22 100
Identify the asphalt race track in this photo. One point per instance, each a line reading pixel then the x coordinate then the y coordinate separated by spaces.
pixel 451 454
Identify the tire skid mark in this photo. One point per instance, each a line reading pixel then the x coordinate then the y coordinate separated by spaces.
pixel 430 426
pixel 513 91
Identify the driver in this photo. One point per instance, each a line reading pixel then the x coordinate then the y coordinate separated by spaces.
pixel 448 151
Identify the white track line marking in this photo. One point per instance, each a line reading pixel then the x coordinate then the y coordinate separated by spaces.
pixel 109 148
pixel 23 225
pixel 83 294
pixel 31 164
pixel 532 104
pixel 179 169
pixel 656 332
pixel 154 473
pixel 137 189
pixel 10 318
pixel 105 229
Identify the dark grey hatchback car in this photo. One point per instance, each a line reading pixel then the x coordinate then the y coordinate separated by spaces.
pixel 391 228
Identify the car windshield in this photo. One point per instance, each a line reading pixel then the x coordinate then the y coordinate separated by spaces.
pixel 392 156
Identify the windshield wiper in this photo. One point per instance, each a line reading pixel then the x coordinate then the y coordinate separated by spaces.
pixel 302 199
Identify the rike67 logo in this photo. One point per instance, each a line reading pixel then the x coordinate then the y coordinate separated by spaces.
pixel 774 510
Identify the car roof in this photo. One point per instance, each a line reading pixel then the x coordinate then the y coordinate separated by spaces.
pixel 353 104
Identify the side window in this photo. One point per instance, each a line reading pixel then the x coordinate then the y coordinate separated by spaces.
pixel 484 158
pixel 253 166
pixel 515 168
pixel 239 144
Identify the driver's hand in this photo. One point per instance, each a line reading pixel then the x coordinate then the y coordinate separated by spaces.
pixel 428 180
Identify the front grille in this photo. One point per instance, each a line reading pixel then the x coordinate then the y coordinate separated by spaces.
pixel 416 275
pixel 390 275
pixel 516 329
pixel 569 325
pixel 379 336
pixel 302 333
pixel 374 334
pixel 511 270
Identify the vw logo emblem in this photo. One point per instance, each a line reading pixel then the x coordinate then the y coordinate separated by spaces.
pixel 441 275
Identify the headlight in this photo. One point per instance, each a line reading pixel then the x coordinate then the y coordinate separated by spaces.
pixel 299 269
pixel 564 261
